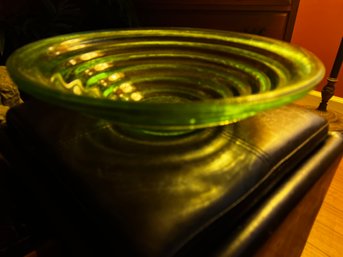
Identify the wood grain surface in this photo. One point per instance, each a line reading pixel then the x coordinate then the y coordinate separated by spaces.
pixel 326 236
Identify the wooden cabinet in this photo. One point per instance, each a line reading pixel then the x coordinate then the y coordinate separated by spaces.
pixel 272 18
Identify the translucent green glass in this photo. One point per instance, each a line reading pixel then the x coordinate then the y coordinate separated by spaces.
pixel 165 79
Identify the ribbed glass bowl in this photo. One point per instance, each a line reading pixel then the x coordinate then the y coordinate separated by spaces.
pixel 165 79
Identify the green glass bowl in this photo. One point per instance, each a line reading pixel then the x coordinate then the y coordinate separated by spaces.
pixel 165 79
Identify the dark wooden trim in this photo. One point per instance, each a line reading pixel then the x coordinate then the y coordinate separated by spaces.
pixel 291 20
pixel 210 5
pixel 212 13
pixel 218 2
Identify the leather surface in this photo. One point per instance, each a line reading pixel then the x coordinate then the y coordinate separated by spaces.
pixel 262 223
pixel 161 194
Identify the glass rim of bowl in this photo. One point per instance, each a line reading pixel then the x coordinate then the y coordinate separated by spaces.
pixel 32 80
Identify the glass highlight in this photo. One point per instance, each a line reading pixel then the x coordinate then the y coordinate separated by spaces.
pixel 165 79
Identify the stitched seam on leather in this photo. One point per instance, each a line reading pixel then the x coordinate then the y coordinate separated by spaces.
pixel 240 199
pixel 280 163
pixel 302 145
pixel 258 152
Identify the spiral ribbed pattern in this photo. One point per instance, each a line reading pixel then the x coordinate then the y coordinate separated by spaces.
pixel 166 68
pixel 167 78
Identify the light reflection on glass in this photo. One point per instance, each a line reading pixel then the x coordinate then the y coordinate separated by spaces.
pixel 77 90
pixel 136 96
pixel 103 82
pixel 89 72
pixel 116 76
pixel 127 87
pixel 66 46
pixel 124 92
pixel 102 66
pixel 90 55
pixel 72 62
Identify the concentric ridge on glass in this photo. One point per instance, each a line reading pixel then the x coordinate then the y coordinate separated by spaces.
pixel 165 79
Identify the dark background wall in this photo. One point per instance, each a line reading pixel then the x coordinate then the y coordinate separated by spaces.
pixel 319 28
pixel 24 21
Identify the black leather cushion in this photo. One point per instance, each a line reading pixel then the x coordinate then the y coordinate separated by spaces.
pixel 152 195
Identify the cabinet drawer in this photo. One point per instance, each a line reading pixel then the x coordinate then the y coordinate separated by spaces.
pixel 213 2
pixel 262 23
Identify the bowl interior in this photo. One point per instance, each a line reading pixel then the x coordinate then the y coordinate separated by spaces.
pixel 165 79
